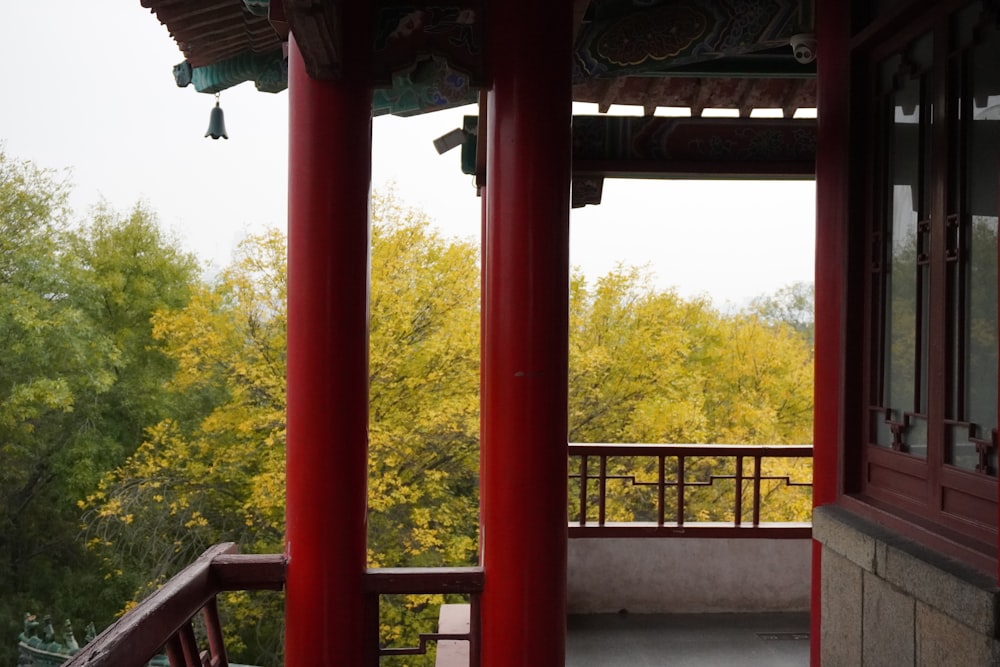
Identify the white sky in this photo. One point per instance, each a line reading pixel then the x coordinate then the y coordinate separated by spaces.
pixel 89 87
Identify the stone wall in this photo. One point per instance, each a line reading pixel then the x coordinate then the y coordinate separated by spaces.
pixel 888 601
pixel 686 575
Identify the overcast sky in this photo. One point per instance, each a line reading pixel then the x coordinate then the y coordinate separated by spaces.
pixel 89 88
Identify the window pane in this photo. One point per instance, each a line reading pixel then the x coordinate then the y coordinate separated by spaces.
pixel 905 274
pixel 979 340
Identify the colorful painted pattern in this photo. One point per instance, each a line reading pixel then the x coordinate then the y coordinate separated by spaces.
pixel 681 33
pixel 268 71
pixel 405 36
pixel 600 138
pixel 636 39
pixel 429 86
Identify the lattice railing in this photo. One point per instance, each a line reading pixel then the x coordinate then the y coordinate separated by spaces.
pixel 165 621
pixel 465 581
pixel 623 490
pixel 620 490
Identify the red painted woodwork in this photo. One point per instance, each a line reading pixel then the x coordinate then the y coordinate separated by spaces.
pixel 165 618
pixel 525 349
pixel 586 520
pixel 923 496
pixel 327 468
pixel 832 169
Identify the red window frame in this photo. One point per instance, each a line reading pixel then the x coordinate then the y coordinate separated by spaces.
pixel 924 496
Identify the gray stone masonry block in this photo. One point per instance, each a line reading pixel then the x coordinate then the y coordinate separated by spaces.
pixel 943 641
pixel 887 628
pixel 836 530
pixel 842 594
pixel 952 588
pixel 949 587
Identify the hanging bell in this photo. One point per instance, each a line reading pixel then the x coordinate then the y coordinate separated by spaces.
pixel 216 123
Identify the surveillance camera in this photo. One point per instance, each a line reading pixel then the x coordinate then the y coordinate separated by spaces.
pixel 804 47
pixel 452 139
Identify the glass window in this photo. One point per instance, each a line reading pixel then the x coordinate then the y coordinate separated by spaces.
pixel 972 255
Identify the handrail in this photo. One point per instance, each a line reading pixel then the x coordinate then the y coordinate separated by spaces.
pixel 164 619
pixel 424 580
pixel 671 510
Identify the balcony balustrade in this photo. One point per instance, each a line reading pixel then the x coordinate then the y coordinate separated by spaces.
pixel 659 484
pixel 621 491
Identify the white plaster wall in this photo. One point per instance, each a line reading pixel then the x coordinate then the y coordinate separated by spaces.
pixel 688 575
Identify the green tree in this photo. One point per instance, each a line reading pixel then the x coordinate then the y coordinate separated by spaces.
pixel 125 269
pixel 81 376
pixel 55 366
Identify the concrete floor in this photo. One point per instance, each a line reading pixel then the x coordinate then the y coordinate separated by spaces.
pixel 688 640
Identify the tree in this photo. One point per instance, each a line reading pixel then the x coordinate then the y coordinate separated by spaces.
pixel 645 366
pixel 424 453
pixel 56 365
pixel 81 375
pixel 201 478
pixel 648 366
pixel 125 269
pixel 634 361
pixel 52 362
pixel 793 305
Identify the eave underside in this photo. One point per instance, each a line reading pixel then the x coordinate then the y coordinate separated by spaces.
pixel 696 54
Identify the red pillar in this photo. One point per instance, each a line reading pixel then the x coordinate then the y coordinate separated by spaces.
pixel 832 171
pixel 327 470
pixel 525 346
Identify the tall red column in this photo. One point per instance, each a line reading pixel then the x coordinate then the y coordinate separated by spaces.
pixel 832 171
pixel 328 275
pixel 525 331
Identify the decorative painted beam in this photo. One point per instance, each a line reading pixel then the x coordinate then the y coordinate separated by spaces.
pixel 661 147
pixel 621 40
pixel 431 85
pixel 655 146
pixel 268 71
pixel 406 34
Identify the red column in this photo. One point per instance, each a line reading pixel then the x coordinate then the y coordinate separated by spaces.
pixel 327 470
pixel 525 348
pixel 832 170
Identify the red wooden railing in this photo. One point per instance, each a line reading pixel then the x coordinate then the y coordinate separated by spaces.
pixel 165 620
pixel 419 581
pixel 671 473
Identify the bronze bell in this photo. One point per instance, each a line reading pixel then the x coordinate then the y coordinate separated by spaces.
pixel 216 123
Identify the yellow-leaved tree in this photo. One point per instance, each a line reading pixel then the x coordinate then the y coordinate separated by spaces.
pixel 215 470
pixel 647 366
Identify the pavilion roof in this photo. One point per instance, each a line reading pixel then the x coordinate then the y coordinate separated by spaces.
pixel 697 54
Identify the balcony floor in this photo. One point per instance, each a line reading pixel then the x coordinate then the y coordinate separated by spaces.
pixel 688 640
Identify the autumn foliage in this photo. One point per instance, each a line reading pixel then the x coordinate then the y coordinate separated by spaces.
pixel 145 406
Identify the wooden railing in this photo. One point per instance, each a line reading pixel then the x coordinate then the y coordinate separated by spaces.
pixel 165 620
pixel 424 581
pixel 667 474
pixel 624 490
